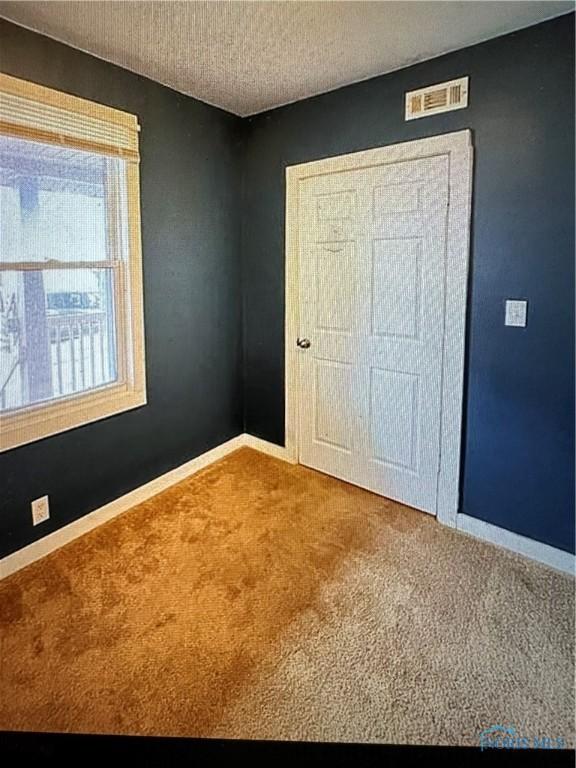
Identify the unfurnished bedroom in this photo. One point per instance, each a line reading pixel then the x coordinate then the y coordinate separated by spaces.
pixel 287 373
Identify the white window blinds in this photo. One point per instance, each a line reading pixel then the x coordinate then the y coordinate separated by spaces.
pixel 33 112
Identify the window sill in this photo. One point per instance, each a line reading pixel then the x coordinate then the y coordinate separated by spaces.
pixel 28 425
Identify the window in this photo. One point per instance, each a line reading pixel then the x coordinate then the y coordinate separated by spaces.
pixel 71 319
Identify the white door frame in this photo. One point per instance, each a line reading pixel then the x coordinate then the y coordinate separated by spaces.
pixel 458 148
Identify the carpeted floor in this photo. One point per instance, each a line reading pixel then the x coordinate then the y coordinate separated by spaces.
pixel 263 600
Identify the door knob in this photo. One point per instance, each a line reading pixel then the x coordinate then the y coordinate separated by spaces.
pixel 303 343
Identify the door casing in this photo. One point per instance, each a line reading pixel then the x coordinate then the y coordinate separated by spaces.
pixel 458 148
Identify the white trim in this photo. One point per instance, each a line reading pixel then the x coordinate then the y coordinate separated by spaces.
pixel 38 549
pixel 277 451
pixel 53 541
pixel 458 147
pixel 535 550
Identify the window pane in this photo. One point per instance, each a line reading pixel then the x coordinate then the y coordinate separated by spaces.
pixel 56 334
pixel 52 202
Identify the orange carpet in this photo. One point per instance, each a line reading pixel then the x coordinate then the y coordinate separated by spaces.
pixel 261 599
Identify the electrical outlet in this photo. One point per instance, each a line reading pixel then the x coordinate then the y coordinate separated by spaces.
pixel 40 510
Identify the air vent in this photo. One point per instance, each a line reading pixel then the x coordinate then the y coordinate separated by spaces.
pixel 434 99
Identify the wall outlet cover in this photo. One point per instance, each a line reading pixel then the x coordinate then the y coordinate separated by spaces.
pixel 40 510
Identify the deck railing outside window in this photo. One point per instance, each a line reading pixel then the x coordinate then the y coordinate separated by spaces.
pixel 71 315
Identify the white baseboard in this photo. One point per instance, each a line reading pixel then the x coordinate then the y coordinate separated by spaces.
pixel 555 558
pixel 535 550
pixel 278 451
pixel 38 549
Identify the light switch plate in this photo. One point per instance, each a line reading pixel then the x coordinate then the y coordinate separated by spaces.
pixel 516 311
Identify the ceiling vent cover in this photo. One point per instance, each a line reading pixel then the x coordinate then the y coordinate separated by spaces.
pixel 434 99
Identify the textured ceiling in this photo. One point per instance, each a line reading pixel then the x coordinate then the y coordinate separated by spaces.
pixel 247 57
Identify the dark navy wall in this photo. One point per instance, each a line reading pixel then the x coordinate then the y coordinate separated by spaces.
pixel 518 469
pixel 190 188
pixel 518 462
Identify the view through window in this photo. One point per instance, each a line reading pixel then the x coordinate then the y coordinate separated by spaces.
pixel 59 252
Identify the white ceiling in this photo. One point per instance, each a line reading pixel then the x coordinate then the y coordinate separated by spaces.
pixel 247 57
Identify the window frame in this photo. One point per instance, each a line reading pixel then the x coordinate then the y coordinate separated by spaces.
pixel 44 419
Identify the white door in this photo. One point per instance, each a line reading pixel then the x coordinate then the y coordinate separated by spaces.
pixel 372 261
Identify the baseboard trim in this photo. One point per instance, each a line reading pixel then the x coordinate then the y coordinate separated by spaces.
pixel 53 541
pixel 278 451
pixel 514 542
pixel 38 549
pixel 535 550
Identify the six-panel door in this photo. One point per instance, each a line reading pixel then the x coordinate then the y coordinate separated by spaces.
pixel 372 265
